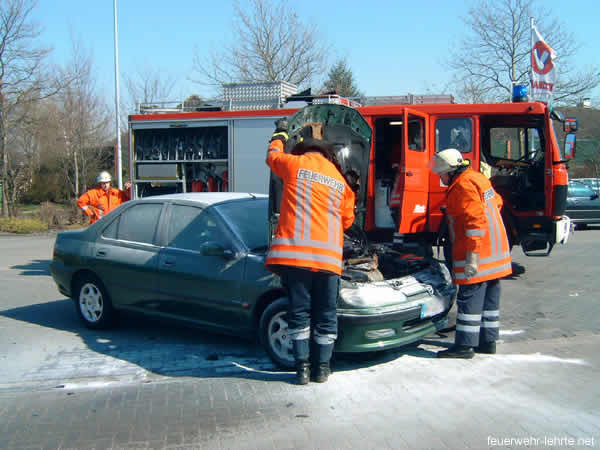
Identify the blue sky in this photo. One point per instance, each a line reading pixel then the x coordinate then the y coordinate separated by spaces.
pixel 393 47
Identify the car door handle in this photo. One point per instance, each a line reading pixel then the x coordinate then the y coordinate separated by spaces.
pixel 101 253
pixel 169 262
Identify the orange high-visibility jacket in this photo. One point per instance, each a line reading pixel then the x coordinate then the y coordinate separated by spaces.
pixel 317 205
pixel 475 225
pixel 96 203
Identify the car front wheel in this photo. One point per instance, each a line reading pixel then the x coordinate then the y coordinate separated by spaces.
pixel 274 336
pixel 93 304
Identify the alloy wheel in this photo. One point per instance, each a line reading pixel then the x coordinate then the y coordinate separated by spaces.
pixel 279 338
pixel 91 303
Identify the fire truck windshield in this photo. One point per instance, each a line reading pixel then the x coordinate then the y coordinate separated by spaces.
pixel 559 135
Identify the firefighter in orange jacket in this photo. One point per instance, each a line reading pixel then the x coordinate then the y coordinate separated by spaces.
pixel 480 253
pixel 101 200
pixel 317 205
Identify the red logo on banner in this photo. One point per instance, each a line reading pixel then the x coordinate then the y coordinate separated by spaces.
pixel 541 58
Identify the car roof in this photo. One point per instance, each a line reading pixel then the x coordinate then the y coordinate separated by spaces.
pixel 206 198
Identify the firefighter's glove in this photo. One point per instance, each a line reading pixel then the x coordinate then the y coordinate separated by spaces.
pixel 281 129
pixel 471 263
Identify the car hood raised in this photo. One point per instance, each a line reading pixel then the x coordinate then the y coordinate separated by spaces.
pixel 348 132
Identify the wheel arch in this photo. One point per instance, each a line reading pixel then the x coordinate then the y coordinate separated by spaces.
pixel 80 275
pixel 264 301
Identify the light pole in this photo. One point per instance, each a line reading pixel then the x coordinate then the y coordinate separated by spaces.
pixel 118 112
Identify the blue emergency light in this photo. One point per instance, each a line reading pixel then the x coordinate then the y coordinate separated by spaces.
pixel 519 93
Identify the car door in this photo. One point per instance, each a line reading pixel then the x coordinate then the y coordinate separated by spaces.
pixel 125 255
pixel 201 268
pixel 414 175
pixel 583 204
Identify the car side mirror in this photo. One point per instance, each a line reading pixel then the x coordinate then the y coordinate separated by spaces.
pixel 594 196
pixel 570 145
pixel 212 248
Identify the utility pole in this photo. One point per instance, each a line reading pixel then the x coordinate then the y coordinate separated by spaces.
pixel 117 109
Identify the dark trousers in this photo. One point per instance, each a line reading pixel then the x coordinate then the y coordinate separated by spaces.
pixel 478 318
pixel 312 311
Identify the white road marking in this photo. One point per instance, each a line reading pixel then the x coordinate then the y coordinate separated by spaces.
pixel 511 332
pixel 540 358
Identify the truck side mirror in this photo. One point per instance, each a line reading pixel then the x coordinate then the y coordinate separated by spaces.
pixel 570 145
pixel 570 125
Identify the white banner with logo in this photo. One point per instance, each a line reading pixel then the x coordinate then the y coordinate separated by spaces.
pixel 543 70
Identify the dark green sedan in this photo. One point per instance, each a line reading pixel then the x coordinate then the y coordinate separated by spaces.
pixel 199 258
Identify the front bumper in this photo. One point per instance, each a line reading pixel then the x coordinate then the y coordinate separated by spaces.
pixel 562 230
pixel 363 334
pixel 394 313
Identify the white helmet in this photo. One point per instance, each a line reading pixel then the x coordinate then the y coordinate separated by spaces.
pixel 103 177
pixel 446 161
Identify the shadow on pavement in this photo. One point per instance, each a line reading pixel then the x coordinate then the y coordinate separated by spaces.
pixel 36 267
pixel 169 349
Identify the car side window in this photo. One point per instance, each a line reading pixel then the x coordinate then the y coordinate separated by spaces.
pixel 138 223
pixel 191 227
pixel 110 232
pixel 576 190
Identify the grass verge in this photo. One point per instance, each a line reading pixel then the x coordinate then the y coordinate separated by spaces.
pixel 22 226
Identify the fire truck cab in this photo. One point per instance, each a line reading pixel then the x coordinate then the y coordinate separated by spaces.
pixel 514 144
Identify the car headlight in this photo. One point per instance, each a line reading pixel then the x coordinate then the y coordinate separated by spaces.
pixel 371 295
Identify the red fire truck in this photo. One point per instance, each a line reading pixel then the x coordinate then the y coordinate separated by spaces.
pixel 515 144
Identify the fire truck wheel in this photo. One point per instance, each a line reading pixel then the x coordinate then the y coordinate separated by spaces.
pixel 273 331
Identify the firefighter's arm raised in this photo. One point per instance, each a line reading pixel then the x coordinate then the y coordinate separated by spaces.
pixel 126 193
pixel 276 158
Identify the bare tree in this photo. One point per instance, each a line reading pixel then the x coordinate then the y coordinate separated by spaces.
pixel 148 86
pixel 23 76
pixel 83 119
pixel 42 145
pixel 269 43
pixel 495 52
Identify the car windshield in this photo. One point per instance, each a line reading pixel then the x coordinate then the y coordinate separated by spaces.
pixel 249 221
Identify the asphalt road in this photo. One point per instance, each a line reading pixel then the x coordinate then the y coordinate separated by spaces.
pixel 42 340
pixel 154 384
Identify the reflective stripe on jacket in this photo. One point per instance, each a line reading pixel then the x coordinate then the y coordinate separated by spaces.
pixel 316 207
pixel 96 202
pixel 475 225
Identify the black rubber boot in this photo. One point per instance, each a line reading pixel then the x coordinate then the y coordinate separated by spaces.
pixel 486 347
pixel 457 351
pixel 302 372
pixel 322 373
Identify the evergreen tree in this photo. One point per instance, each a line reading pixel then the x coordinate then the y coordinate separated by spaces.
pixel 341 80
